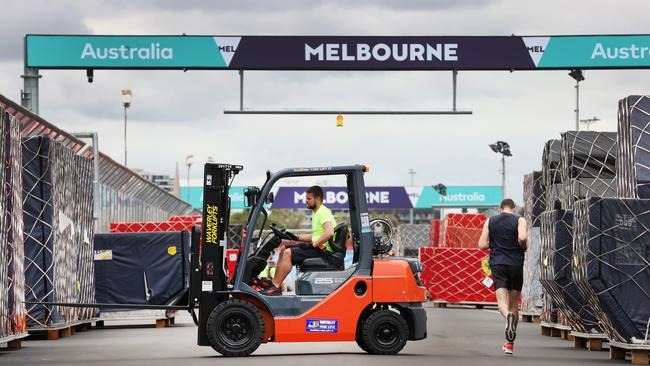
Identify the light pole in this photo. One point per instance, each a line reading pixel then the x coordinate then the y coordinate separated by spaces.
pixel 411 173
pixel 577 75
pixel 589 121
pixel 503 148
pixel 127 99
pixel 411 210
pixel 189 159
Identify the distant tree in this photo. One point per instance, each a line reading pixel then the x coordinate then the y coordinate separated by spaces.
pixel 287 218
pixel 239 218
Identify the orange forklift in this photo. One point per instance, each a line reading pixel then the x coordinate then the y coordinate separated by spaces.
pixel 377 301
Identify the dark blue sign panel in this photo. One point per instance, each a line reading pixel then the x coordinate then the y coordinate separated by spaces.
pixel 337 197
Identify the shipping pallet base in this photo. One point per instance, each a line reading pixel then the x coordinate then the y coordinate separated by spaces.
pixel 590 341
pixel 14 341
pixel 478 305
pixel 556 330
pixel 530 317
pixel 55 332
pixel 162 319
pixel 638 352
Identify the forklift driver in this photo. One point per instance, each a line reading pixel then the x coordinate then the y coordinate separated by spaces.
pixel 313 245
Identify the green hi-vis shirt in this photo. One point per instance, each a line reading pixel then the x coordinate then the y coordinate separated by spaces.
pixel 320 217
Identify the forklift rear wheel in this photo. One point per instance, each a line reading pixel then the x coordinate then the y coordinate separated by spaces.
pixel 235 328
pixel 384 332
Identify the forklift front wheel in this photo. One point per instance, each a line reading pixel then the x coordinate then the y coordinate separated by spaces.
pixel 235 328
pixel 384 332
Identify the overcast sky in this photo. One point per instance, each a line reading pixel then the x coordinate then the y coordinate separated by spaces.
pixel 176 113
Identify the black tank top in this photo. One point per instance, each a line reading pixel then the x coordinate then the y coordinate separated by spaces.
pixel 504 242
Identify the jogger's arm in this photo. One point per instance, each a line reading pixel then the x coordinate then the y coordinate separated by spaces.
pixel 484 240
pixel 522 236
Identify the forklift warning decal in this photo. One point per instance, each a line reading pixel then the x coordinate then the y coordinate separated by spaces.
pixel 365 223
pixel 322 325
pixel 211 224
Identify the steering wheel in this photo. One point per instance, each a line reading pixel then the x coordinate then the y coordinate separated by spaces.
pixel 283 233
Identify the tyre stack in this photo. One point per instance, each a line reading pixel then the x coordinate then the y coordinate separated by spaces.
pixel 12 283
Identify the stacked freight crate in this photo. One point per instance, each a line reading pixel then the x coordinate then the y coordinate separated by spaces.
pixel 12 280
pixel 58 223
pixel 534 205
pixel 595 257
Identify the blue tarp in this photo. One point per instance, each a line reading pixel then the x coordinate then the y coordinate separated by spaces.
pixel 618 269
pixel 141 268
pixel 38 218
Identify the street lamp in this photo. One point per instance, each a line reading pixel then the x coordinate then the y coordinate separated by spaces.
pixel 589 121
pixel 189 159
pixel 577 75
pixel 503 148
pixel 127 99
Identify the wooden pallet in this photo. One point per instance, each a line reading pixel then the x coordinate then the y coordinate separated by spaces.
pixel 639 353
pixel 14 341
pixel 590 341
pixel 530 318
pixel 63 330
pixel 555 330
pixel 478 305
pixel 161 318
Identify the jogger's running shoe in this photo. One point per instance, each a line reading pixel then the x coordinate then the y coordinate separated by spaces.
pixel 508 347
pixel 511 332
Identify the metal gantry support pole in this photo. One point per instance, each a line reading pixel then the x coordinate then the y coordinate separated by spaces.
pixel 455 81
pixel 577 105
pixel 241 90
pixel 29 94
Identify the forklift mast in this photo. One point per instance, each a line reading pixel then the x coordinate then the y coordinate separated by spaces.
pixel 216 213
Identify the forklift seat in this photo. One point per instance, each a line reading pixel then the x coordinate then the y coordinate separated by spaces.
pixel 334 261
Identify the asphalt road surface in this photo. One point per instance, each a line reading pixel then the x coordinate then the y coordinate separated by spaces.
pixel 456 336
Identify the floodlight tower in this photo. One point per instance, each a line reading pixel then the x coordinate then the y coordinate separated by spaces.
pixel 503 148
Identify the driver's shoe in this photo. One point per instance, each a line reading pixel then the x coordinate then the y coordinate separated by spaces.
pixel 272 290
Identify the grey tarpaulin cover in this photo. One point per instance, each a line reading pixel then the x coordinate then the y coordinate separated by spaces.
pixel 612 263
pixel 551 178
pixel 633 167
pixel 141 268
pixel 534 204
pixel 557 259
pixel 588 165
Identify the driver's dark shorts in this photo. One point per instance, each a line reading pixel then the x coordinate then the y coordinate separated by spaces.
pixel 301 252
pixel 508 277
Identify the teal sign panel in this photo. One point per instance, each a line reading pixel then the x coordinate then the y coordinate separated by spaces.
pixel 195 197
pixel 129 52
pixel 596 52
pixel 461 196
